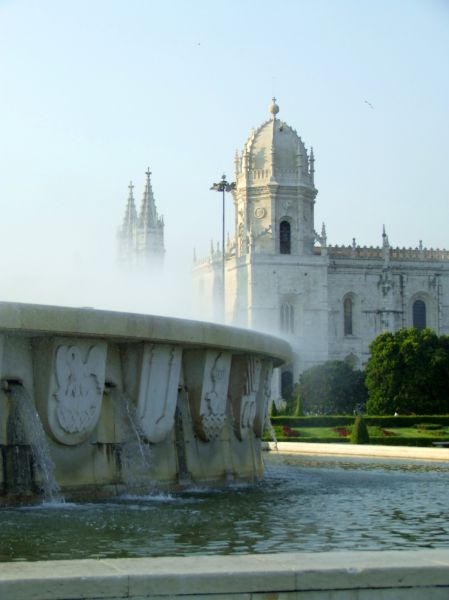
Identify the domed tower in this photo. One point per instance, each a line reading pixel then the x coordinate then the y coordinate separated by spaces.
pixel 275 191
pixel 276 279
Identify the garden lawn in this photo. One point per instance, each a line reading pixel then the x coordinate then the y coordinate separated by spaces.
pixel 406 436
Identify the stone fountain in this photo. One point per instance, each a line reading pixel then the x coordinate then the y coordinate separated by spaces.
pixel 95 403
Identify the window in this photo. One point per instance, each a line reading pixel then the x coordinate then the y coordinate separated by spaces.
pixel 347 316
pixel 286 384
pixel 287 318
pixel 285 237
pixel 419 314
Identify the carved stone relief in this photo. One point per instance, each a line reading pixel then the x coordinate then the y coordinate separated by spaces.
pixel 207 379
pixel 213 400
pixel 70 376
pixel 245 381
pixel 263 397
pixel 158 390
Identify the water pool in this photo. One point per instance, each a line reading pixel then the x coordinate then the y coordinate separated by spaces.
pixel 304 504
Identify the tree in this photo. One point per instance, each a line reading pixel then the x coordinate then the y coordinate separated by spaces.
pixel 408 372
pixel 331 388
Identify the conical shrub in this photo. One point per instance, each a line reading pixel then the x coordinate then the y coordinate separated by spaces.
pixel 359 433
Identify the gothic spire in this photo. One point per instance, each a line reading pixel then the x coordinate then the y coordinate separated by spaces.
pixel 130 219
pixel 148 213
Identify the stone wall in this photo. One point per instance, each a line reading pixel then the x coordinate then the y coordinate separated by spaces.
pixel 406 575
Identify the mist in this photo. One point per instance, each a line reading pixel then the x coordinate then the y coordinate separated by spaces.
pixel 81 272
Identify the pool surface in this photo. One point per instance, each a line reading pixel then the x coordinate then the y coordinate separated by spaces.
pixel 304 504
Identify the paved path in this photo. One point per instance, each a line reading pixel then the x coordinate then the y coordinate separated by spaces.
pixel 411 452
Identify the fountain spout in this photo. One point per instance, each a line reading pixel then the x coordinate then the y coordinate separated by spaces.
pixel 29 466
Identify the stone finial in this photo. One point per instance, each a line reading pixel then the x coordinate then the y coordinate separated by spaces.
pixel 323 235
pixel 312 165
pixel 273 108
pixel 385 247
pixel 385 242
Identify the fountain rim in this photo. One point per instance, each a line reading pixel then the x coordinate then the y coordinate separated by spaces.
pixel 39 320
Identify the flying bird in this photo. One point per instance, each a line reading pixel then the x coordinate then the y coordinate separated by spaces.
pixel 369 104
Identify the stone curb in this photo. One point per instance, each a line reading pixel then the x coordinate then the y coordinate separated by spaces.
pixel 238 576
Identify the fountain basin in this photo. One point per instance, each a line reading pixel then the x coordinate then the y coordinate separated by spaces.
pixel 306 576
pixel 125 401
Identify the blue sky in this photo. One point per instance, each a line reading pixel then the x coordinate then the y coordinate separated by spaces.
pixel 94 91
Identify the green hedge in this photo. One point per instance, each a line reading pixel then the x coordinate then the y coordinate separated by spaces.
pixel 318 421
pixel 346 420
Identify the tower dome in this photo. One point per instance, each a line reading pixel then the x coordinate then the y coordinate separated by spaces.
pixel 275 153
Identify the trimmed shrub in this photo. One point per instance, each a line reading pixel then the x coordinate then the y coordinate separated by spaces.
pixel 359 433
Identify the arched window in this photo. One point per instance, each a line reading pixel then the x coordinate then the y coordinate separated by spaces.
pixel 286 384
pixel 285 237
pixel 287 318
pixel 347 316
pixel 419 314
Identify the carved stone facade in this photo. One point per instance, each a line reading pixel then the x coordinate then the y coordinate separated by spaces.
pixel 329 302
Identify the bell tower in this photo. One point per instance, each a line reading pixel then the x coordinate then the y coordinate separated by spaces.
pixel 275 191
pixel 276 278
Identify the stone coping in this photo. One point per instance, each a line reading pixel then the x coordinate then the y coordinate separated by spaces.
pixel 388 574
pixel 35 319
pixel 362 450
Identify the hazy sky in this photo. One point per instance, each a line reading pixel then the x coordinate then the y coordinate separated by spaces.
pixel 93 91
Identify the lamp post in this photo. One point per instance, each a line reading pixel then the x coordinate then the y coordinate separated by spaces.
pixel 223 186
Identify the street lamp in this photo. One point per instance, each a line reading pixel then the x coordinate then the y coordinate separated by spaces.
pixel 223 186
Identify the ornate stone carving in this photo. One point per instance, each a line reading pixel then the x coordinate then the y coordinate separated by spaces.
pixel 158 390
pixel 263 397
pixel 207 379
pixel 76 390
pixel 213 401
pixel 79 390
pixel 245 382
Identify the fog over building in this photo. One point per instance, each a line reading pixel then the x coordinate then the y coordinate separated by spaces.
pixel 282 276
pixel 141 236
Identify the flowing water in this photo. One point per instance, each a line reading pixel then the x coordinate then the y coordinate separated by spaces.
pixel 136 454
pixel 31 430
pixel 303 504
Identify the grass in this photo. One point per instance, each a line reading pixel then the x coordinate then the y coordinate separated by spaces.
pixel 407 436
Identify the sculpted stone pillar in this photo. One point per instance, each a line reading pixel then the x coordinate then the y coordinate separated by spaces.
pixel 206 374
pixel 263 397
pixel 151 376
pixel 243 389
